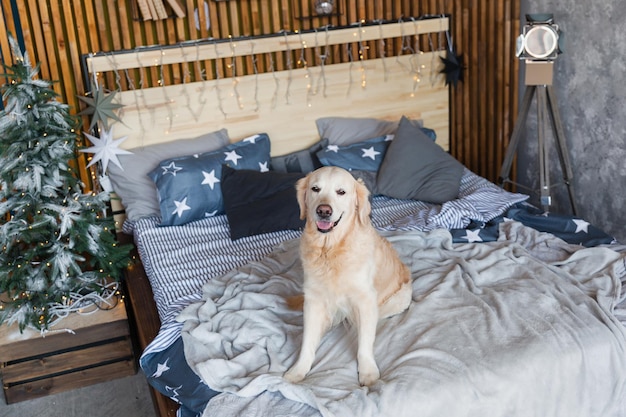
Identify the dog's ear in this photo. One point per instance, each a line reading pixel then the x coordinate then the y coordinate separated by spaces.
pixel 301 186
pixel 363 206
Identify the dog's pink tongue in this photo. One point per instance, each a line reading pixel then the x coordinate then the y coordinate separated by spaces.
pixel 324 224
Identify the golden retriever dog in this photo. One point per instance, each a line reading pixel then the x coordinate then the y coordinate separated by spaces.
pixel 350 271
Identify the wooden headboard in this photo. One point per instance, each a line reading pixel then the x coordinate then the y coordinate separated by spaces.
pixel 284 104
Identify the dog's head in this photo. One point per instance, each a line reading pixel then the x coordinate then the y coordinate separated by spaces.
pixel 330 198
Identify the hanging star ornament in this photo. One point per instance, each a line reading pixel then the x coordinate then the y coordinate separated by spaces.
pixel 453 67
pixel 105 149
pixel 101 107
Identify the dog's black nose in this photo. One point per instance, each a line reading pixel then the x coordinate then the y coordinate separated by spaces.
pixel 324 211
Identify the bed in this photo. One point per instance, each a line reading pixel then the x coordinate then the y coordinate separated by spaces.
pixel 514 312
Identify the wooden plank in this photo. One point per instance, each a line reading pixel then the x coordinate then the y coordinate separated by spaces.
pixel 90 328
pixel 66 362
pixel 58 342
pixel 174 71
pixel 463 135
pixel 487 83
pixel 100 63
pixel 160 9
pixel 47 48
pixel 475 94
pixel 146 13
pixel 500 91
pixel 7 26
pixel 72 67
pixel 91 27
pixel 80 36
pixel 102 36
pixel 70 381
pixel 177 8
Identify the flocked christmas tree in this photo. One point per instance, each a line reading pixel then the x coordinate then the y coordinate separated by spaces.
pixel 58 247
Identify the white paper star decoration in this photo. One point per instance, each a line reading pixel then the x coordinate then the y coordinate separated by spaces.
pixel 105 149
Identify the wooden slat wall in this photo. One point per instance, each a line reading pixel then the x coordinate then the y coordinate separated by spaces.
pixel 483 106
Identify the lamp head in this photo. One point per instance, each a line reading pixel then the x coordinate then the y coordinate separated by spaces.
pixel 539 40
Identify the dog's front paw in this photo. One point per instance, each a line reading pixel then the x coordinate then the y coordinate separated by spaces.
pixel 294 375
pixel 368 375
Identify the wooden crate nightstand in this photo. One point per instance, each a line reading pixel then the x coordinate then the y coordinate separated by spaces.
pixel 99 350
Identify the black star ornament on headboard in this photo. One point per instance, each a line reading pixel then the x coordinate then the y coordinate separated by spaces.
pixel 453 67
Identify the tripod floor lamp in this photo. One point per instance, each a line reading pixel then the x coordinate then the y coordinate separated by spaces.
pixel 538 45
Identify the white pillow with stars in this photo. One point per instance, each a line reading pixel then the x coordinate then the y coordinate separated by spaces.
pixel 189 187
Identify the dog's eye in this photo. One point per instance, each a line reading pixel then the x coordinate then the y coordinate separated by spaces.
pixel 315 189
pixel 341 191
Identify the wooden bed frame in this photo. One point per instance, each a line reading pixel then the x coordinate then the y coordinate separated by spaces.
pixel 370 82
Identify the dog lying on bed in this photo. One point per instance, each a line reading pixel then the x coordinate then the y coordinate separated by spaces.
pixel 350 271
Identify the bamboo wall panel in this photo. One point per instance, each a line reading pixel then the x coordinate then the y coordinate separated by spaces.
pixel 483 106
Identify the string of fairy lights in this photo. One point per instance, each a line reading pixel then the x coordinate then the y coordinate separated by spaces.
pixel 226 72
pixel 81 301
pixel 108 297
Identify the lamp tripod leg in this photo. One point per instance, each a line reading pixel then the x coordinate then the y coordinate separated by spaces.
pixel 516 136
pixel 543 149
pixel 561 146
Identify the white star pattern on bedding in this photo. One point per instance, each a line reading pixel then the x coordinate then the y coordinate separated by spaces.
pixel 174 390
pixel 473 236
pixel 171 169
pixel 232 156
pixel 161 367
pixel 209 179
pixel 370 153
pixel 181 207
pixel 581 226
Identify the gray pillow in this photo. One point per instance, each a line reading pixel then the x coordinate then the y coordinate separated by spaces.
pixel 416 168
pixel 303 161
pixel 344 131
pixel 136 189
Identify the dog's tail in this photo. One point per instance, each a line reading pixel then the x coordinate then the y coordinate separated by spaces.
pixel 295 302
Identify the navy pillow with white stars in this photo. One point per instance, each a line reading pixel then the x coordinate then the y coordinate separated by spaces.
pixel 189 187
pixel 363 156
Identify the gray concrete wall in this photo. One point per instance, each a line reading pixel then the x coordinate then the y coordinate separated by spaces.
pixel 590 86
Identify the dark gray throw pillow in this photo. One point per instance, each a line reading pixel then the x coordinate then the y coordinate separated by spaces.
pixel 304 160
pixel 260 202
pixel 416 168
